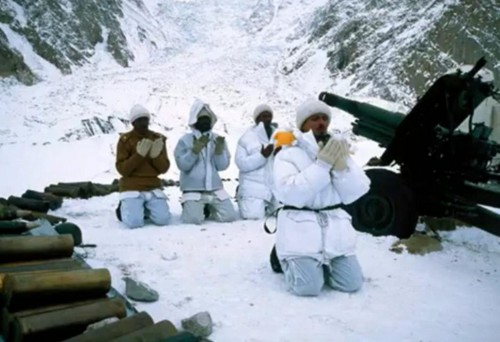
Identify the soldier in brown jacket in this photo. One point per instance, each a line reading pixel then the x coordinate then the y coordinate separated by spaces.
pixel 141 156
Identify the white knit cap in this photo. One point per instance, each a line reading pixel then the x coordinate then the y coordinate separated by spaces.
pixel 260 109
pixel 138 111
pixel 309 108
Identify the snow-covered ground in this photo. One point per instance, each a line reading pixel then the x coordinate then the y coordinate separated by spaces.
pixel 452 295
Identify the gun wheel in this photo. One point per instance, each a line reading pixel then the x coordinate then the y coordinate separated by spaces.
pixel 387 209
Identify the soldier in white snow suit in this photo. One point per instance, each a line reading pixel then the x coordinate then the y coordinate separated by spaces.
pixel 315 240
pixel 200 155
pixel 254 158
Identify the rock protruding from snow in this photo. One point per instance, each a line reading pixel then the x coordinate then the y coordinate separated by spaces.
pixel 139 291
pixel 199 324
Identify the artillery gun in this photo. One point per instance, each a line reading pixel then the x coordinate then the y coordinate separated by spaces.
pixel 442 172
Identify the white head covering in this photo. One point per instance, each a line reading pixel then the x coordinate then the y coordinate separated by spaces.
pixel 138 111
pixel 200 108
pixel 309 108
pixel 260 109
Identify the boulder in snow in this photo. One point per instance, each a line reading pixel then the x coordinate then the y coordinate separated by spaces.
pixel 139 291
pixel 200 324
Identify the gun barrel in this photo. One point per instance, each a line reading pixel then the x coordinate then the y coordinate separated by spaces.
pixel 371 130
pixel 372 120
pixel 479 64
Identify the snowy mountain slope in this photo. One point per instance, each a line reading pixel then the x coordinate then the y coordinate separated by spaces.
pixel 395 49
pixel 233 59
pixel 44 38
pixel 233 75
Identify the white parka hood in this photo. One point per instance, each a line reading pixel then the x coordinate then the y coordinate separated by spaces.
pixel 195 110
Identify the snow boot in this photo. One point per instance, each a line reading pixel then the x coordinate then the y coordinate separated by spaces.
pixel 275 263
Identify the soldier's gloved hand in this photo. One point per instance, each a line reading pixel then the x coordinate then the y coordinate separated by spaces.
pixel 219 145
pixel 199 144
pixel 341 162
pixel 143 147
pixel 331 152
pixel 266 151
pixel 156 148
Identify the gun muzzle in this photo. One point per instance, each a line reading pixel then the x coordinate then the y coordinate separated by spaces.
pixel 328 98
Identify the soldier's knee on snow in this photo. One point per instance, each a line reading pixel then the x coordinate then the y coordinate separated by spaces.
pixel 255 214
pixel 225 214
pixel 353 285
pixel 133 222
pixel 161 219
pixel 226 218
pixel 311 289
pixel 192 219
pixel 251 216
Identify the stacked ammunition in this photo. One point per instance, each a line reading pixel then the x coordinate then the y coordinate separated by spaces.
pixel 48 294
pixel 37 203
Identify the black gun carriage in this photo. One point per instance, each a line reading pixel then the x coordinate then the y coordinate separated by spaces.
pixel 443 172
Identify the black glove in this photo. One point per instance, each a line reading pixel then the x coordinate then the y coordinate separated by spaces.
pixel 266 151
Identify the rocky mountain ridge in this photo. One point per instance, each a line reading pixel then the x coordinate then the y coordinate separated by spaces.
pixel 395 49
pixel 388 49
pixel 68 34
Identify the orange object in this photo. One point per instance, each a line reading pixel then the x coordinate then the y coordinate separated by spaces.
pixel 284 138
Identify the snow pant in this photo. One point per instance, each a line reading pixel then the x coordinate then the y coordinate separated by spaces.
pixel 305 276
pixel 132 210
pixel 220 210
pixel 252 208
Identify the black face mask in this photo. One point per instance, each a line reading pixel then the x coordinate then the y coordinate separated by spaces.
pixel 322 138
pixel 203 124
